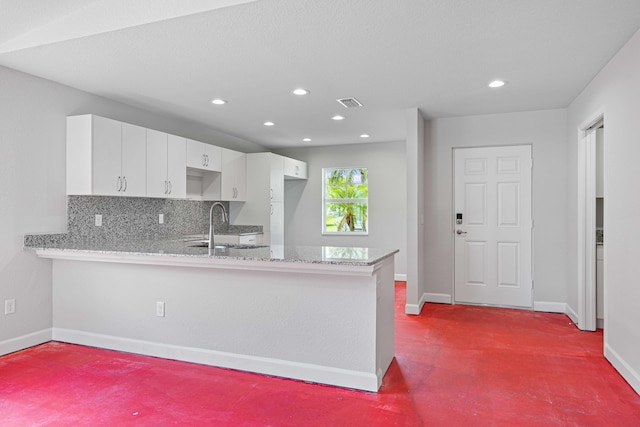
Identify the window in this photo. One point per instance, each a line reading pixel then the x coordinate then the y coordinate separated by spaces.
pixel 345 200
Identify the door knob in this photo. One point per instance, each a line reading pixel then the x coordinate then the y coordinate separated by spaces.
pixel 460 232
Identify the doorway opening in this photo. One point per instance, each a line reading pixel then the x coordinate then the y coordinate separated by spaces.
pixel 590 223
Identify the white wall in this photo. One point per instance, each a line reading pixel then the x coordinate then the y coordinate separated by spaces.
pixel 616 91
pixel 32 186
pixel 387 197
pixel 546 131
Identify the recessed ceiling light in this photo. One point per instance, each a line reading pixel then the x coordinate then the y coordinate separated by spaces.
pixel 300 91
pixel 337 117
pixel 306 139
pixel 364 135
pixel 269 123
pixel 497 83
pixel 218 101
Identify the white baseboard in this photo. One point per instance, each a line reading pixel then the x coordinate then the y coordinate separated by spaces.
pixel 437 298
pixel 572 314
pixel 25 341
pixel 627 372
pixel 415 308
pixel 550 307
pixel 262 365
pixel 427 297
pixel 400 277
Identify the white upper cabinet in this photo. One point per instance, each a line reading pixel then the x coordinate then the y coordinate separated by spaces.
pixel 265 196
pixel 177 166
pixel 203 156
pixel 233 179
pixel 166 165
pixel 109 158
pixel 294 169
pixel 105 157
pixel 134 152
pixel 276 183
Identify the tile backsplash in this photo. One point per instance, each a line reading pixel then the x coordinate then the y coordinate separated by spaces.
pixel 136 218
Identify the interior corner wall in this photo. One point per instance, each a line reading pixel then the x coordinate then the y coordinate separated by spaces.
pixel 616 92
pixel 387 197
pixel 546 132
pixel 33 115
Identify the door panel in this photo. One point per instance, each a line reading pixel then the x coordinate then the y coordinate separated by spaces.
pixel 492 191
pixel 476 204
pixel 476 263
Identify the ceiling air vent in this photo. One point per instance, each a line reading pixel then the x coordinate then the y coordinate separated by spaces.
pixel 349 102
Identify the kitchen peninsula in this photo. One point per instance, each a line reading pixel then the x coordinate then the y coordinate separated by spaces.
pixel 318 314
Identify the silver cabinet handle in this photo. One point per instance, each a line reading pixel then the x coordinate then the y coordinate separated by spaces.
pixel 297 170
pixel 124 179
pixel 460 232
pixel 119 184
pixel 271 209
pixel 271 189
pixel 166 187
pixel 206 160
pixel 170 187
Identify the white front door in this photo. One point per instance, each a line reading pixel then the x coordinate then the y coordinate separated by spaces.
pixel 492 225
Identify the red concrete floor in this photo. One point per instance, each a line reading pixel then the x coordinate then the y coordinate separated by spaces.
pixel 455 366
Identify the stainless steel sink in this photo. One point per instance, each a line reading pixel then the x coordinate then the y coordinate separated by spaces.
pixel 205 244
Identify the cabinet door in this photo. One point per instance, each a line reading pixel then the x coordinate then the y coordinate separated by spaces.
pixel 157 184
pixel 276 191
pixel 295 168
pixel 277 223
pixel 107 156
pixel 134 159
pixel 203 156
pixel 213 154
pixel 177 167
pixel 233 182
pixel 196 154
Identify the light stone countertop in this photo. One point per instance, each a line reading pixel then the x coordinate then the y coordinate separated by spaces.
pixel 180 247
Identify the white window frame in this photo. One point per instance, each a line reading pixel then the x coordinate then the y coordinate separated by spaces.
pixel 329 200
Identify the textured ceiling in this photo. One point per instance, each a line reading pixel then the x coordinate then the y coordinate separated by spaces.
pixel 173 57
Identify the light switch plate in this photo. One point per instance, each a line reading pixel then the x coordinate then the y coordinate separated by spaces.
pixel 9 306
pixel 160 308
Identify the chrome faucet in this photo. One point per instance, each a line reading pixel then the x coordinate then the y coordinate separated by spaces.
pixel 225 218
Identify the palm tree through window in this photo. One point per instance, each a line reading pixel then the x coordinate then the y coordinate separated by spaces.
pixel 345 200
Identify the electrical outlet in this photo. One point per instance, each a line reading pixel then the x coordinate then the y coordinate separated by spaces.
pixel 161 219
pixel 9 306
pixel 98 220
pixel 160 308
